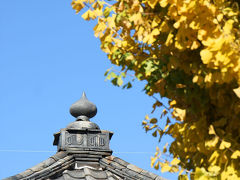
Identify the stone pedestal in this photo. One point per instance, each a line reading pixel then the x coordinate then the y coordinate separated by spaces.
pixel 83 140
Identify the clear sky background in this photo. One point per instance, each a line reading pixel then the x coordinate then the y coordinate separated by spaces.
pixel 48 56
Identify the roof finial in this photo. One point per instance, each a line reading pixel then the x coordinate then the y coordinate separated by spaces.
pixel 83 109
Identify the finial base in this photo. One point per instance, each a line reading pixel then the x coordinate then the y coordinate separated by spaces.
pixel 82 118
pixel 82 125
pixel 85 140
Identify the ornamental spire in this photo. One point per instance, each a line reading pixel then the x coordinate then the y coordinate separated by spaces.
pixel 83 109
pixel 82 134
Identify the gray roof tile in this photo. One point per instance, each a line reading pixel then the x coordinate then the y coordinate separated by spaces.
pixel 26 173
pixel 148 174
pixel 134 168
pixel 59 155
pixel 90 178
pixel 106 161
pixel 117 165
pixel 112 176
pixel 75 173
pixel 131 173
pixel 159 178
pixel 120 166
pixel 95 173
pixel 120 161
pixel 112 168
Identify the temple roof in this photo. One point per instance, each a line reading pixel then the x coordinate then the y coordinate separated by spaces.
pixel 83 153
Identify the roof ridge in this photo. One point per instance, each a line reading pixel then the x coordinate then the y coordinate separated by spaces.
pixel 31 172
pixel 117 165
pixel 62 161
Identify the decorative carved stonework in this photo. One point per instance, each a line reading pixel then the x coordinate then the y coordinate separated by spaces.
pixel 98 141
pixel 84 139
pixel 74 139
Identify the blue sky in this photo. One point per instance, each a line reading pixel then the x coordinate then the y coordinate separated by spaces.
pixel 48 56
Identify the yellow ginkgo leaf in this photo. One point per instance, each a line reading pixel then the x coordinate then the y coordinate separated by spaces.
pixel 212 143
pixel 237 92
pixel 228 26
pixel 195 45
pixel 77 5
pixel 206 56
pixel 153 160
pixel 169 39
pixel 147 117
pixel 180 114
pixel 220 17
pixel 156 166
pixel 236 154
pixel 214 157
pixel 211 130
pixel 224 144
pixel 155 32
pixel 195 79
pixel 214 169
pixel 183 177
pixel 88 15
pixel 163 3
pixel 152 3
pixel 175 161
pixel 165 167
pixel 155 21
pixel 172 103
pixel 165 148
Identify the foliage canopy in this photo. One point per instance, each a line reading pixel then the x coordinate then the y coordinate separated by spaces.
pixel 189 52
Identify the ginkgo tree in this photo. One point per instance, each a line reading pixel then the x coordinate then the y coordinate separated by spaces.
pixel 189 52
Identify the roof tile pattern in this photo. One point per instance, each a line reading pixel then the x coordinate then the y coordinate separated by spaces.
pixel 124 169
pixel 88 174
pixel 62 163
pixel 57 163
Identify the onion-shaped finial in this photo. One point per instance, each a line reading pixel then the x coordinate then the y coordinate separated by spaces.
pixel 83 109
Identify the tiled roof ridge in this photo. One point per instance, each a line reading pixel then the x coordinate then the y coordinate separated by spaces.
pixel 62 161
pixel 122 168
pixel 58 162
